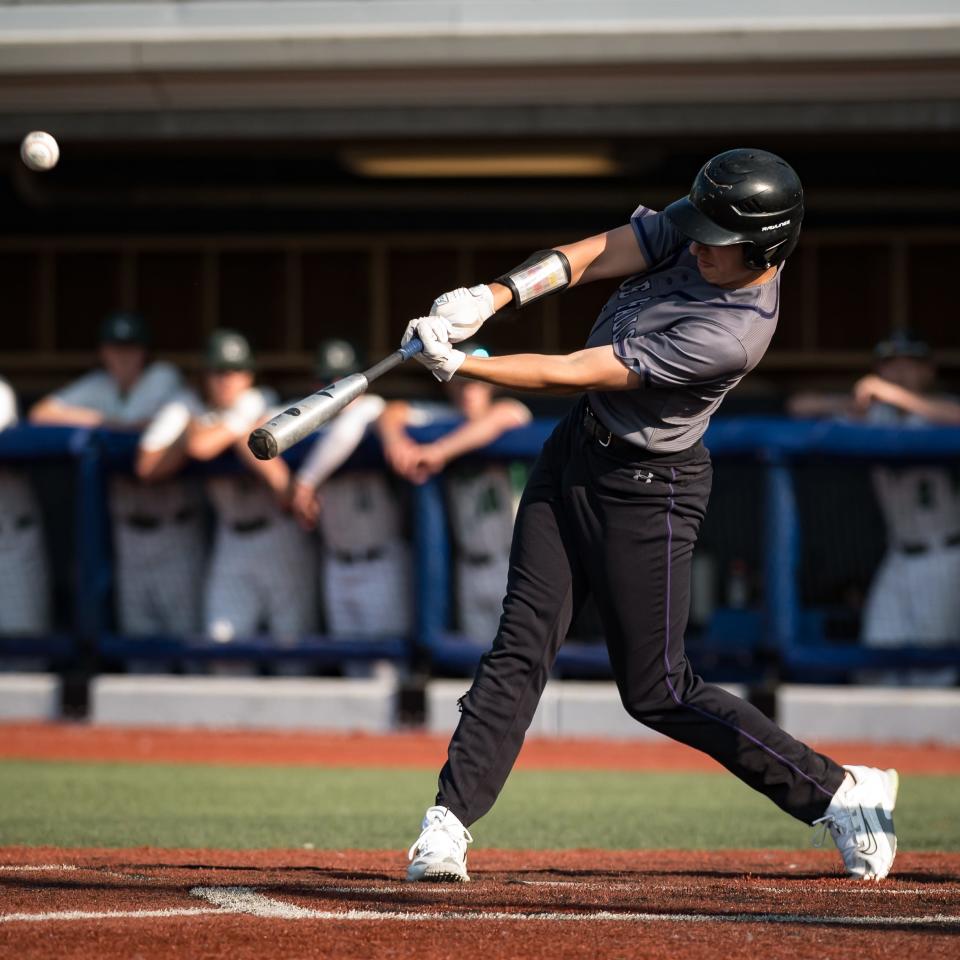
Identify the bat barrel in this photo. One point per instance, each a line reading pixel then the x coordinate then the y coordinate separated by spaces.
pixel 304 417
pixel 307 415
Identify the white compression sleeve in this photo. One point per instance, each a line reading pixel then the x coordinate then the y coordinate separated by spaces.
pixel 340 439
pixel 170 422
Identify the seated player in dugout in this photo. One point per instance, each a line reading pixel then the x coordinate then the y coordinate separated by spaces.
pixel 261 572
pixel 913 597
pixel 614 503
pixel 364 557
pixel 366 582
pixel 482 496
pixel 24 570
pixel 157 529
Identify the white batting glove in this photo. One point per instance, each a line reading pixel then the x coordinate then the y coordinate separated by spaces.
pixel 438 354
pixel 463 311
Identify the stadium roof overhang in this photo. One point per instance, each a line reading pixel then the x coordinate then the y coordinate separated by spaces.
pixel 382 68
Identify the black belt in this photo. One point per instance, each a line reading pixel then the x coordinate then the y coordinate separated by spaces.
pixel 23 522
pixel 913 549
pixel 478 559
pixel 143 521
pixel 609 441
pixel 374 553
pixel 250 526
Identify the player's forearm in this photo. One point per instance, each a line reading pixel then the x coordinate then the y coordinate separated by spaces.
pixel 474 434
pixel 593 368
pixel 945 413
pixel 275 473
pixel 155 465
pixel 521 371
pixel 51 412
pixel 820 405
pixel 207 442
pixel 391 426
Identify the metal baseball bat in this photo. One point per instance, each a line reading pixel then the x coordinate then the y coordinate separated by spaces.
pixel 300 420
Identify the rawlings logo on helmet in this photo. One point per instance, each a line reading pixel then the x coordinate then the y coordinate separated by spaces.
pixel 732 196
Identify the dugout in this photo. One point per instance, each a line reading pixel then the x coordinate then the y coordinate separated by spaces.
pixel 302 170
pixel 312 169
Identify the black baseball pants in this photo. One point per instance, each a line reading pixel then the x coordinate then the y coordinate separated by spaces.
pixel 595 521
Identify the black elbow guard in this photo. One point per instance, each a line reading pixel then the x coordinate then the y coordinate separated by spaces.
pixel 542 273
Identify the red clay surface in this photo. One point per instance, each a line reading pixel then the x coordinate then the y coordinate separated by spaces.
pixel 602 904
pixel 79 742
pixel 728 905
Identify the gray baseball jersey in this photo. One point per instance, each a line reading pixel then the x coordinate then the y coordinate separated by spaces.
pixel 920 503
pixel 689 340
pixel 99 391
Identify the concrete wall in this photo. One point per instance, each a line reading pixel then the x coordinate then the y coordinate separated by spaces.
pixel 256 703
pixel 878 714
pixel 29 696
pixel 568 709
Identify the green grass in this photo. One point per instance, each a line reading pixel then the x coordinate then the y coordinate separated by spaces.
pixel 230 807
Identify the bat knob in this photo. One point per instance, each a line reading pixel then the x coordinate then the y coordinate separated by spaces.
pixel 262 444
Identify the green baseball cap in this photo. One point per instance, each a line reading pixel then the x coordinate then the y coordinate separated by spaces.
pixel 902 343
pixel 336 358
pixel 228 350
pixel 125 327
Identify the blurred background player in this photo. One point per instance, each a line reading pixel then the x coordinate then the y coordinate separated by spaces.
pixel 482 497
pixel 914 596
pixel 365 560
pixel 157 529
pixel 261 574
pixel 24 574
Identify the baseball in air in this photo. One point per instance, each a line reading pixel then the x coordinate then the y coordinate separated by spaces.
pixel 39 151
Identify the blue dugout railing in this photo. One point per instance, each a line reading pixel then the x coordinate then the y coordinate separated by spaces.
pixel 782 627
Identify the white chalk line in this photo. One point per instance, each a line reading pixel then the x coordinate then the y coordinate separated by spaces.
pixel 38 867
pixel 866 887
pixel 245 900
pixel 106 914
pixel 854 887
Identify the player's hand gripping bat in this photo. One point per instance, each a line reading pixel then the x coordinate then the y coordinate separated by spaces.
pixel 312 412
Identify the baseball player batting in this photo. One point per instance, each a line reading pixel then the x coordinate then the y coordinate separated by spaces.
pixel 614 504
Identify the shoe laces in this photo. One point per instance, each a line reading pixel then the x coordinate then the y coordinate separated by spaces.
pixel 845 825
pixel 441 833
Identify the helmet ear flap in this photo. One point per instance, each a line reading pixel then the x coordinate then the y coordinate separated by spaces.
pixel 760 258
pixel 755 257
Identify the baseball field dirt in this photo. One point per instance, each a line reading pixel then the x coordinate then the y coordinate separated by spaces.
pixel 148 902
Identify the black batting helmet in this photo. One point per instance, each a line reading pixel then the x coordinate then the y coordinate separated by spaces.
pixel 744 196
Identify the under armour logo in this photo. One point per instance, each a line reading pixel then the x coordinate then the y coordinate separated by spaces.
pixel 645 477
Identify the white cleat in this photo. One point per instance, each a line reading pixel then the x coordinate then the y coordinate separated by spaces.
pixel 440 853
pixel 860 820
